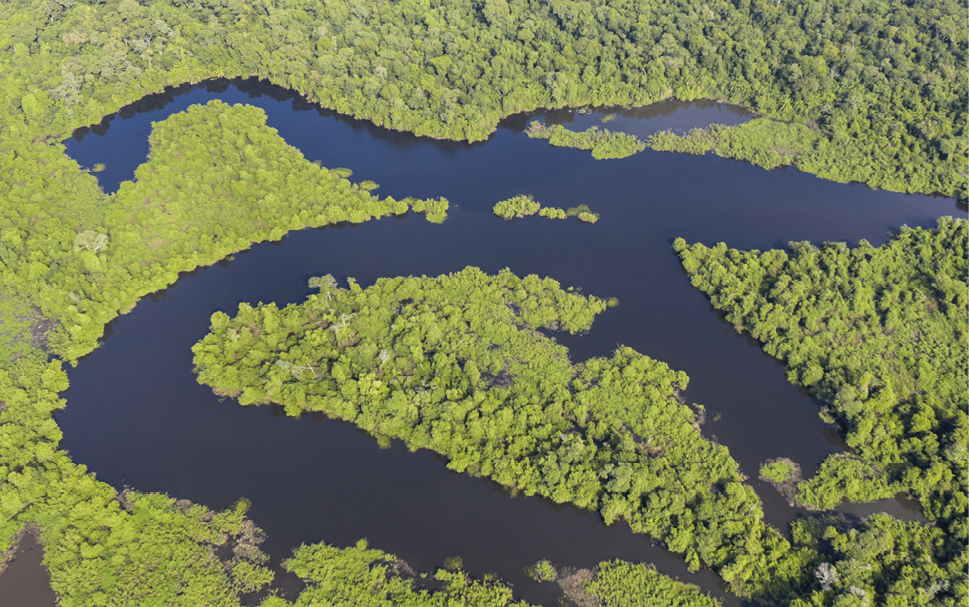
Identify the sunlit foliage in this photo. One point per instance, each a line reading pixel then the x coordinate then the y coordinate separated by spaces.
pixel 456 364
pixel 620 584
pixel 552 213
pixel 880 334
pixel 516 207
pixel 603 144
pixel 765 143
pixel 778 472
pixel 217 180
pixel 102 547
pixel 884 84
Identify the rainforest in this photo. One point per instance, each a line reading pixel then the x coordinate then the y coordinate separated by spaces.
pixel 293 204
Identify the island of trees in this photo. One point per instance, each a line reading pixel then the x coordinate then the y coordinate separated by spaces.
pixel 873 92
pixel 517 207
pixel 456 364
pixel 522 206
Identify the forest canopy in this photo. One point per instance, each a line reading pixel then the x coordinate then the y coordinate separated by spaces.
pixel 861 90
pixel 456 364
pixel 880 334
pixel 881 86
pixel 70 264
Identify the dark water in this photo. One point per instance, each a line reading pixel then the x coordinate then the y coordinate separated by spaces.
pixel 670 115
pixel 25 582
pixel 136 415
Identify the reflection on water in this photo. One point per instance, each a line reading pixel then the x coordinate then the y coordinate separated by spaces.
pixel 137 416
pixel 25 582
pixel 670 115
pixel 900 507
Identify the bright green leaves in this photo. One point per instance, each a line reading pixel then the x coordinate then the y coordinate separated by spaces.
pixel 618 584
pixel 880 334
pixel 217 180
pixel 763 142
pixel 603 144
pixel 517 206
pixel 455 364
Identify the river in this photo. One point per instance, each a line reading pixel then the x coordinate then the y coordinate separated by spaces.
pixel 136 416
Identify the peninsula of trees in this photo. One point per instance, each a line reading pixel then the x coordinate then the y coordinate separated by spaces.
pixel 867 91
pixel 216 181
pixel 879 334
pixel 881 87
pixel 602 144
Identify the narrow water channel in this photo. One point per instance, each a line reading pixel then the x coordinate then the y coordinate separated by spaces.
pixel 25 582
pixel 137 417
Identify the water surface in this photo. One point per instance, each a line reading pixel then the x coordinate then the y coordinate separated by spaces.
pixel 25 582
pixel 136 415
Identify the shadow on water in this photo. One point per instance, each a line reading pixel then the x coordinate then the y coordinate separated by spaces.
pixel 137 416
pixel 669 115
pixel 25 582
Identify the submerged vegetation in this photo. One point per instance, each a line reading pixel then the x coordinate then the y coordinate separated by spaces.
pixel 603 144
pixel 364 577
pixel 777 471
pixel 620 584
pixel 456 364
pixel 584 213
pixel 542 571
pixel 523 206
pixel 784 475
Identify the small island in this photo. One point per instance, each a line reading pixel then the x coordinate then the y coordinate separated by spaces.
pixel 603 144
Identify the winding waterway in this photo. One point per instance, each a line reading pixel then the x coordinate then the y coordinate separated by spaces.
pixel 137 417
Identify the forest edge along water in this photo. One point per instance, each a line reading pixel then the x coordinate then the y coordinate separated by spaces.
pixel 379 155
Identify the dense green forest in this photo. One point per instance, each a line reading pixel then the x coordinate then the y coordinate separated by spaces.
pixel 879 334
pixel 761 142
pixel 862 90
pixel 883 84
pixel 70 264
pixel 456 364
pixel 217 180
